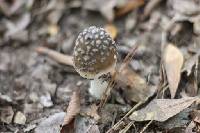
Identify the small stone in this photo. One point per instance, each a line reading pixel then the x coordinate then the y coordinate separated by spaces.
pixel 20 118
pixel 45 100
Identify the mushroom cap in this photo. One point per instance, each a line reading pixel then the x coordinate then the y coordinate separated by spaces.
pixel 94 53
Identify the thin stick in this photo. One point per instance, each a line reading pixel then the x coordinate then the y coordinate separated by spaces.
pixel 146 126
pixel 127 114
pixel 112 81
pixel 60 58
pixel 127 127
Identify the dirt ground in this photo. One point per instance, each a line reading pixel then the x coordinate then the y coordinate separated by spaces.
pixel 158 40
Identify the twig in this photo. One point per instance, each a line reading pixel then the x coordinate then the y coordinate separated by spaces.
pixel 112 81
pixel 127 114
pixel 150 7
pixel 61 58
pixel 127 127
pixel 146 126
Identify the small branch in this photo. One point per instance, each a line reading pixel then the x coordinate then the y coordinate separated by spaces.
pixel 58 57
pixel 146 127
pixel 127 114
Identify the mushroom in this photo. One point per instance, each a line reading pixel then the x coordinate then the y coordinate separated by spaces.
pixel 94 57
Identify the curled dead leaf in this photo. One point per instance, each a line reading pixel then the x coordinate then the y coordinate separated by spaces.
pixel 173 61
pixel 73 109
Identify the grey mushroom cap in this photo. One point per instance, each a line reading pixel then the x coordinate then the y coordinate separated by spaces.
pixel 94 53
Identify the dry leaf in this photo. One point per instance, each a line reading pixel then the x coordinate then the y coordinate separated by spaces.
pixel 129 6
pixel 106 7
pixel 112 30
pixel 51 124
pixel 173 61
pixel 135 86
pixel 86 125
pixel 18 26
pixel 190 127
pixel 196 116
pixel 188 65
pixel 186 7
pixel 91 111
pixel 162 109
pixel 73 109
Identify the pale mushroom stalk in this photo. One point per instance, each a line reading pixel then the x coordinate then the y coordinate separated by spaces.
pixel 98 87
pixel 94 56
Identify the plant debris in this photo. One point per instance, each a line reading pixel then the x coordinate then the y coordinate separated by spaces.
pixel 162 109
pixel 173 61
pixel 155 87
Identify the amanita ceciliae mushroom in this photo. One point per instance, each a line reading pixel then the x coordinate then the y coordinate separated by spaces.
pixel 94 56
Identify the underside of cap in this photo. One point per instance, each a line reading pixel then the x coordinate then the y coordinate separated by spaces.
pixel 90 75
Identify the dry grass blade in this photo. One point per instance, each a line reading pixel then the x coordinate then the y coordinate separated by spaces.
pixel 127 127
pixel 148 124
pixel 73 108
pixel 112 81
pixel 61 58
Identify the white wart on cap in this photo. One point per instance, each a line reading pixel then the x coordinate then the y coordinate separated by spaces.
pixel 94 53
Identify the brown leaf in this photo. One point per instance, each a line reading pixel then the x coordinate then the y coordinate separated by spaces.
pixel 91 111
pixel 162 109
pixel 196 116
pixel 73 109
pixel 186 7
pixel 112 30
pixel 129 6
pixel 173 61
pixel 136 87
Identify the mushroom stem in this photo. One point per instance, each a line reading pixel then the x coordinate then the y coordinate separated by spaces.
pixel 98 87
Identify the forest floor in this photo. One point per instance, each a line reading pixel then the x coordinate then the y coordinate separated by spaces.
pixel 159 82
